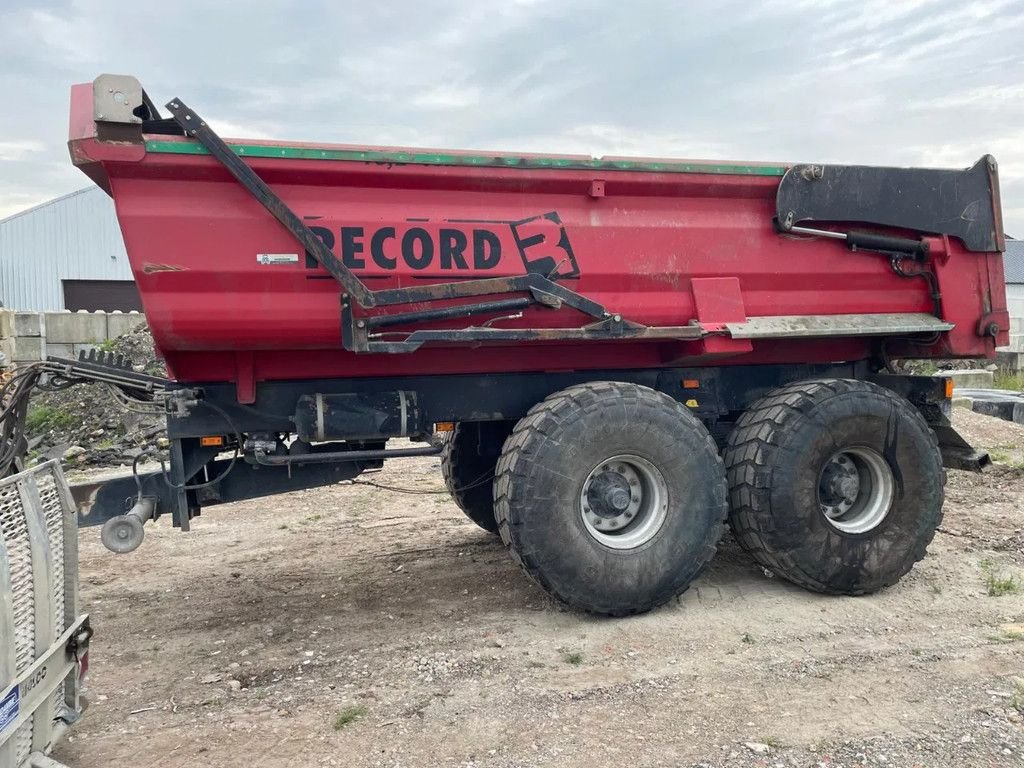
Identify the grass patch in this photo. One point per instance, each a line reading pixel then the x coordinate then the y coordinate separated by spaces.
pixel 573 657
pixel 1007 636
pixel 45 417
pixel 347 716
pixel 1004 378
pixel 998 582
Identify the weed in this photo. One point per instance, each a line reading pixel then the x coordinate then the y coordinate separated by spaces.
pixel 46 417
pixel 916 651
pixel 748 638
pixel 1005 378
pixel 997 582
pixel 1001 456
pixel 1018 697
pixel 772 742
pixel 999 585
pixel 283 527
pixel 108 345
pixel 1007 636
pixel 935 588
pixel 573 657
pixel 347 716
pixel 314 517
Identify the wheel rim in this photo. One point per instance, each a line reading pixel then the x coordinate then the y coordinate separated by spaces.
pixel 624 502
pixel 856 490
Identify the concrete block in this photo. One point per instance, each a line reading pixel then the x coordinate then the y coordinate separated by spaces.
pixel 76 327
pixel 6 323
pixel 67 351
pixel 1018 413
pixel 28 349
pixel 1001 409
pixel 6 352
pixel 972 378
pixel 120 323
pixel 1016 325
pixel 29 324
pixel 963 402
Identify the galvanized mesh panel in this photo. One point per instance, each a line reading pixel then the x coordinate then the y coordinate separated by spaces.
pixel 53 515
pixel 14 534
pixel 41 484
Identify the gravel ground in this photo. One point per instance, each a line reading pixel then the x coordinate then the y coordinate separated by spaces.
pixel 351 626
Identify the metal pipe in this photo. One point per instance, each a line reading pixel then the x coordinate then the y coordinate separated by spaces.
pixel 339 456
pixel 447 313
pixel 817 232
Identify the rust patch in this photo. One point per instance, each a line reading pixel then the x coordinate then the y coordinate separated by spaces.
pixel 149 268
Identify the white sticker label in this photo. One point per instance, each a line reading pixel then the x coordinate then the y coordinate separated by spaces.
pixel 277 258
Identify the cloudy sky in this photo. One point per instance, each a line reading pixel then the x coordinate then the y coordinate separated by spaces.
pixel 886 82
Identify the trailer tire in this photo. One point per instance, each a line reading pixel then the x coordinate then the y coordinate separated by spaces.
pixel 470 453
pixel 835 485
pixel 570 468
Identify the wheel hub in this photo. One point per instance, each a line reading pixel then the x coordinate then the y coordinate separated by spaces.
pixel 609 495
pixel 856 490
pixel 624 501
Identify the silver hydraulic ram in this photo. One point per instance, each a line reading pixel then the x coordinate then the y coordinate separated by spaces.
pixel 124 533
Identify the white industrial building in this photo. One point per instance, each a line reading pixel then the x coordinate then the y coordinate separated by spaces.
pixel 1013 262
pixel 66 254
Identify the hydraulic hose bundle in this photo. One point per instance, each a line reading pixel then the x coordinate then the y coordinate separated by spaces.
pixel 135 390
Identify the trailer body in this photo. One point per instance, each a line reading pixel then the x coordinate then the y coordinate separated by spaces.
pixel 313 301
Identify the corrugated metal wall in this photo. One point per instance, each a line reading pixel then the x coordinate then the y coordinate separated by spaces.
pixel 75 237
pixel 1013 262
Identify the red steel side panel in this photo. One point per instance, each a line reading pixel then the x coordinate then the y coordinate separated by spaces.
pixel 194 237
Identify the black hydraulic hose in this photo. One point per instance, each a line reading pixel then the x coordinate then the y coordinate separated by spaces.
pixel 928 276
pixel 224 473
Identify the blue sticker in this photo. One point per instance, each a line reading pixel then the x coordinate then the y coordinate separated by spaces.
pixel 9 708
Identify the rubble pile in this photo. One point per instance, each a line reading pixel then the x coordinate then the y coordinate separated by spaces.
pixel 87 425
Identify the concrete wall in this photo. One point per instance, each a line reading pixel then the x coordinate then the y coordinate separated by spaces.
pixel 26 337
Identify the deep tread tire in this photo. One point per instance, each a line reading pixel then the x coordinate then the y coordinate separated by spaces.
pixel 541 473
pixel 774 458
pixel 470 454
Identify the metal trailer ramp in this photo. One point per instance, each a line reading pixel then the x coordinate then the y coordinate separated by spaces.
pixel 43 639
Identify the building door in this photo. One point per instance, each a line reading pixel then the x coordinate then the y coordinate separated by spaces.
pixel 102 295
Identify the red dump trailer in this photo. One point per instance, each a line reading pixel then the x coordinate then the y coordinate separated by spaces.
pixel 612 356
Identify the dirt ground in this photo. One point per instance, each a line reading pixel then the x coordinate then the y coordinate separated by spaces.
pixel 351 626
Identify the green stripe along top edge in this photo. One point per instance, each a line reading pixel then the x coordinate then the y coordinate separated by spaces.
pixel 415 157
